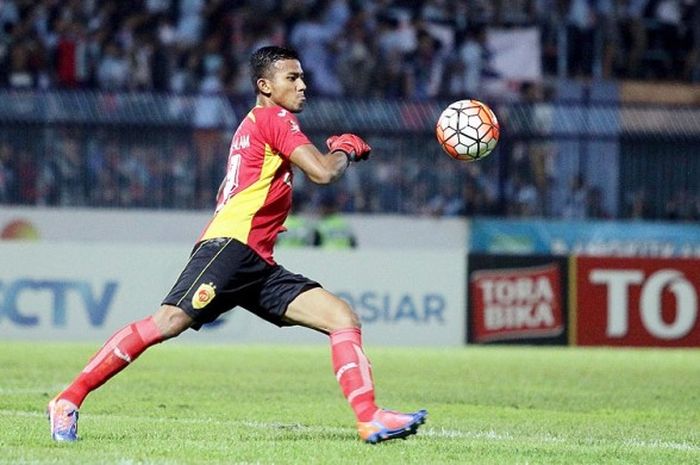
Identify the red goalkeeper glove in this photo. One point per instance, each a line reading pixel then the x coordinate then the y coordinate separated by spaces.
pixel 351 145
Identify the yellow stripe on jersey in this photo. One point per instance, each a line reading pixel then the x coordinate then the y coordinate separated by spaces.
pixel 236 216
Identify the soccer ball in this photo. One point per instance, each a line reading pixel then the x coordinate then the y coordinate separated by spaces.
pixel 467 130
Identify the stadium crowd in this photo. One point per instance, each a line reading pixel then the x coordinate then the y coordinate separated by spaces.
pixel 349 47
pixel 93 169
pixel 353 48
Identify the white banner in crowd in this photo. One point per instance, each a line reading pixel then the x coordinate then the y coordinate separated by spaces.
pixel 515 53
pixel 84 292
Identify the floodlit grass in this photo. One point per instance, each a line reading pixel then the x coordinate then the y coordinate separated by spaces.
pixel 192 404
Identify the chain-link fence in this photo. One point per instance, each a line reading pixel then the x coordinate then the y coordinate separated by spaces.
pixel 559 159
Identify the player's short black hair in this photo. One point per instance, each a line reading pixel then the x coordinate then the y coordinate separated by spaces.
pixel 262 59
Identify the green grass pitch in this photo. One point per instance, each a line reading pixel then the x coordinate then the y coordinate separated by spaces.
pixel 198 404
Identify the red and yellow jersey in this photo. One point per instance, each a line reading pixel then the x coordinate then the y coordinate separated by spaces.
pixel 256 194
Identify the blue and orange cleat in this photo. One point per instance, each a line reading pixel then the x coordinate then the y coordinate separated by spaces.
pixel 388 424
pixel 63 420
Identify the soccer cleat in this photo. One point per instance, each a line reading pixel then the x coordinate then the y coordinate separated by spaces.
pixel 63 420
pixel 388 424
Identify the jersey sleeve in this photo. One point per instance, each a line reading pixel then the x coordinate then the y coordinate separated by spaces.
pixel 284 133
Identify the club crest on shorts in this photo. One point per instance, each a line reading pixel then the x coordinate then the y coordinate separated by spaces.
pixel 203 295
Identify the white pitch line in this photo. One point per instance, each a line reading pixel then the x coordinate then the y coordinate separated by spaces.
pixel 123 461
pixel 442 433
pixel 656 444
pixel 495 436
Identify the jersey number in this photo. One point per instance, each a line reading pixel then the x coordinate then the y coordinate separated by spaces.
pixel 231 182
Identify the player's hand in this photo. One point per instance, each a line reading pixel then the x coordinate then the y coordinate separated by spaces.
pixel 351 145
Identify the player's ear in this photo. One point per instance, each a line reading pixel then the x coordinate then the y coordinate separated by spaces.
pixel 264 86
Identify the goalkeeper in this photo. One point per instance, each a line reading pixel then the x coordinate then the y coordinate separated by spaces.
pixel 232 263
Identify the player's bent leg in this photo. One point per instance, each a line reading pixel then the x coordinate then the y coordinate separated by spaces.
pixel 325 312
pixel 321 310
pixel 116 354
pixel 171 321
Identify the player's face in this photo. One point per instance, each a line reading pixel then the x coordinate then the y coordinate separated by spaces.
pixel 287 85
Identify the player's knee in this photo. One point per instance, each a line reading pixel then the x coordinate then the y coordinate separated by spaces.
pixel 171 321
pixel 345 317
pixel 355 319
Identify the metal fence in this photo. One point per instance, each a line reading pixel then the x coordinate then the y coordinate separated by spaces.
pixel 556 159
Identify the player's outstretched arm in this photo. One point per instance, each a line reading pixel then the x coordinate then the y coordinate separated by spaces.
pixel 319 168
pixel 325 169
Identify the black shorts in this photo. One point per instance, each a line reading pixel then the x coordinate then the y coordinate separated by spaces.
pixel 223 273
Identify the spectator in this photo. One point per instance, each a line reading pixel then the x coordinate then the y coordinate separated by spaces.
pixel 134 176
pixel 20 76
pixel 387 180
pixel 185 78
pixel 70 169
pixel 682 207
pixel 425 69
pixel 576 203
pixel 182 181
pixel 396 34
pixel 608 37
pixel 162 64
pixel 522 198
pixel 7 174
pixel 595 207
pixel 139 64
pixel 47 183
pixel 637 206
pixel 25 178
pixel 190 22
pixel 390 76
pixel 668 14
pixel 471 63
pixel 71 55
pixel 157 7
pixel 633 26
pixel 313 37
pixel 9 13
pixel 691 69
pixel 448 201
pixel 60 179
pixel 356 60
pixel 474 201
pixel 113 69
pixel 580 38
pixel 104 179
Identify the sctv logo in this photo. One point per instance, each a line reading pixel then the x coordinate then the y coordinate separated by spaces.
pixel 27 301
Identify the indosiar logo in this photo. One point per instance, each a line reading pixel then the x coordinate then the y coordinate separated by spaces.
pixel 375 307
pixel 18 301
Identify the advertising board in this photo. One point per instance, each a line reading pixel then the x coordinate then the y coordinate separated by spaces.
pixel 69 291
pixel 637 302
pixel 589 238
pixel 517 299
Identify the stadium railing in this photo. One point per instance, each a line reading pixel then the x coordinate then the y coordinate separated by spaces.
pixel 88 148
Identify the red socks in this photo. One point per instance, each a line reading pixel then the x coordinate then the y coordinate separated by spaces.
pixel 119 350
pixel 353 371
pixel 350 365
